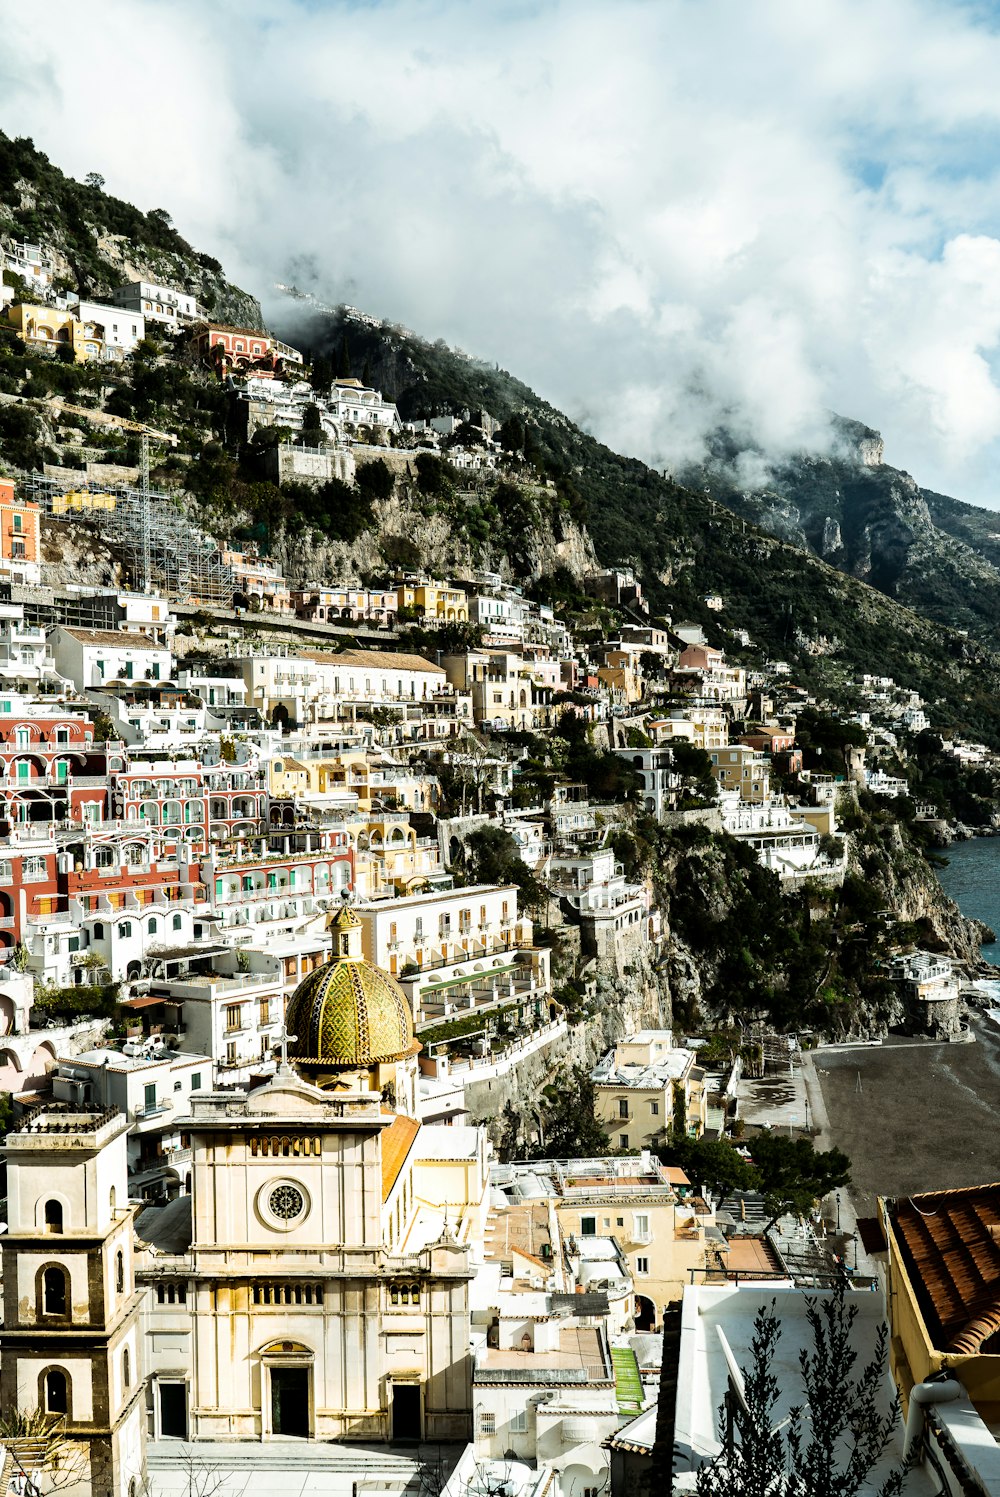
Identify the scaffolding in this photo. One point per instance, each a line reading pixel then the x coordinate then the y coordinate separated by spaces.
pixel 159 547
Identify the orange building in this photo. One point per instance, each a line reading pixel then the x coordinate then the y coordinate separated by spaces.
pixel 20 547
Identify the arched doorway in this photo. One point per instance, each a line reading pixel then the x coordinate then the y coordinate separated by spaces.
pixel 645 1313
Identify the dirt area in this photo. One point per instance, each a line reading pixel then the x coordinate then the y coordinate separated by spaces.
pixel 915 1117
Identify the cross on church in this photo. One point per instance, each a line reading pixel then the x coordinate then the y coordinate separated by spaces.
pixel 285 1039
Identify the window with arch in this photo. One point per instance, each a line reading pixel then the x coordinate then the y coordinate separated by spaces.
pixel 126 1369
pixel 98 931
pixel 177 922
pixel 112 1199
pixel 56 1391
pixel 53 1216
pixel 151 925
pixel 120 1271
pixel 53 1292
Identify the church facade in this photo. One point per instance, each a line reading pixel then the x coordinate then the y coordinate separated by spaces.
pixel 313 1285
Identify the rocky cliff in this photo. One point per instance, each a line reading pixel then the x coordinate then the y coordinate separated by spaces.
pixel 876 523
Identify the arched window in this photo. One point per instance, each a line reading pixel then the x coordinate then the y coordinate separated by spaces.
pixel 151 925
pixel 112 1199
pixel 104 857
pixel 177 922
pixel 54 1292
pixel 56 1392
pixel 126 1369
pixel 53 1216
pixel 120 1271
pixel 394 1295
pixel 415 1294
pixel 98 931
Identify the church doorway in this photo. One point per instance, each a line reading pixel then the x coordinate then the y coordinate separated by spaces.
pixel 406 1412
pixel 290 1401
pixel 173 1411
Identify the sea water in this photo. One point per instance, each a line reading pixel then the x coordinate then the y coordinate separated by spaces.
pixel 972 879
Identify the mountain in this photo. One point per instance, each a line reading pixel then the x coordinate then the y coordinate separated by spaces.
pixel 686 543
pixel 874 522
pixel 100 242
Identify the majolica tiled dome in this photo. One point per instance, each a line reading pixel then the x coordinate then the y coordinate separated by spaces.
pixel 349 1014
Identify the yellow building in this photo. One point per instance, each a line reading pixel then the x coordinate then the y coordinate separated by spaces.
pixel 48 329
pixel 943 1291
pixel 435 600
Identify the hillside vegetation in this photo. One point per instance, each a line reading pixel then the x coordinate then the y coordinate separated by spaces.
pixel 684 543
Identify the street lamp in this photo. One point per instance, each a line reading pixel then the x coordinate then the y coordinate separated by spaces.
pixel 854 1239
pixel 838 1211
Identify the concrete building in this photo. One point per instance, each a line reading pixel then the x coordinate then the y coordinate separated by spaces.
pixel 158 303
pixel 94 657
pixel 20 539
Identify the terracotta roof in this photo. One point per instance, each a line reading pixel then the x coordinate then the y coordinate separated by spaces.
pixel 397 1141
pixel 389 660
pixel 112 637
pixel 950 1243
pixel 675 1175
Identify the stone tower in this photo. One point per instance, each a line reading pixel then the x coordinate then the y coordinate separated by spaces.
pixel 70 1344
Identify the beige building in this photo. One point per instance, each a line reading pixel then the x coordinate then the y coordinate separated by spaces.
pixel 659 1226
pixel 315 1282
pixel 71 1345
pixel 645 1088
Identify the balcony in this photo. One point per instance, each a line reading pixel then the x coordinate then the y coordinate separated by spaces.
pixel 155 1110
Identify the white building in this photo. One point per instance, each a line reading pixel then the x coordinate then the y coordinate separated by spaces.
pixel 110 333
pixel 162 304
pixel 315 686
pixel 352 403
pixel 93 657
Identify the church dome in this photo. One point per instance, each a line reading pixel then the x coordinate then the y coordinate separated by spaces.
pixel 349 1014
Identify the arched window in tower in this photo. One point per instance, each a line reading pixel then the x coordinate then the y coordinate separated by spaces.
pixel 120 1271
pixel 56 1392
pixel 126 1369
pixel 54 1291
pixel 53 1216
pixel 112 1199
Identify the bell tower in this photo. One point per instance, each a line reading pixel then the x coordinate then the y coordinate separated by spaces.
pixel 70 1342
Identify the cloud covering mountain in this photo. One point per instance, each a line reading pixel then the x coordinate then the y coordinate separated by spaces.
pixel 664 215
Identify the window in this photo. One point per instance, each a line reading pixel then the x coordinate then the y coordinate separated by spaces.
pixel 56 1392
pixel 641 1224
pixel 177 922
pixel 196 1082
pixel 149 1096
pixel 54 1292
pixel 623 1140
pixel 642 1265
pixel 654 1108
pixel 588 1226
pixel 151 925
pixel 17 524
pixel 623 1107
pixel 519 1422
pixel 487 1423
pixel 126 1369
pixel 619 1221
pixel 98 931
pixel 120 1271
pixel 53 1216
pixel 125 930
pixel 265 1011
pixel 234 1016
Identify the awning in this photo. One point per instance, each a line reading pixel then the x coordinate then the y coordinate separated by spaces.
pixel 146 1002
pixel 484 976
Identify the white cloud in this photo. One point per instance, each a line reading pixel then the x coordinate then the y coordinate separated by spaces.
pixel 661 214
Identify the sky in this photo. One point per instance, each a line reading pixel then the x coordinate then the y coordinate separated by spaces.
pixel 664 215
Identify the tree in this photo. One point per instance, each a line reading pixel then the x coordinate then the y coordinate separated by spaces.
pixel 794 1174
pixel 570 1129
pixel 312 424
pixel 493 858
pixel 712 1162
pixel 95 180
pixel 835 1436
